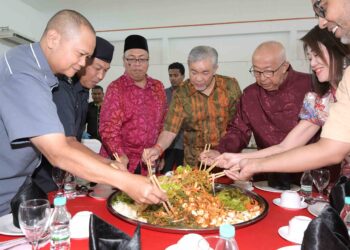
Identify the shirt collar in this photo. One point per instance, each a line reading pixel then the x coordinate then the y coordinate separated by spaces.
pixel 193 90
pixel 131 82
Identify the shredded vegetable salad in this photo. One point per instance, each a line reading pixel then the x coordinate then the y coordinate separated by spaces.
pixel 190 193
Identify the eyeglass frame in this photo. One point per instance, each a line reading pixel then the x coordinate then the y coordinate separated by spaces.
pixel 137 60
pixel 272 72
pixel 319 9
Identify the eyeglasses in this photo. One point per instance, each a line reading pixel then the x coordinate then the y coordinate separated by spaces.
pixel 137 60
pixel 319 9
pixel 266 73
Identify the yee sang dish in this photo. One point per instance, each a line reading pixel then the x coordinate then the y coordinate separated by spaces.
pixel 190 192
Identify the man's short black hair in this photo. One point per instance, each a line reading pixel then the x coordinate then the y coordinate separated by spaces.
pixel 179 66
pixel 98 87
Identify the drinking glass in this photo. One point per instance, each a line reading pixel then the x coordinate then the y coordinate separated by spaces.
pixel 33 217
pixel 58 176
pixel 321 181
pixel 70 186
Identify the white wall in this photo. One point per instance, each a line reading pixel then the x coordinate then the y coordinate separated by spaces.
pixel 173 28
pixel 22 18
pixel 234 42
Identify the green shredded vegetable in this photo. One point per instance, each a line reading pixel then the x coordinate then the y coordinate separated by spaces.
pixel 233 199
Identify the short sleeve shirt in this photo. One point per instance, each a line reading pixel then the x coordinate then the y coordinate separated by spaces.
pixel 315 108
pixel 337 126
pixel 26 111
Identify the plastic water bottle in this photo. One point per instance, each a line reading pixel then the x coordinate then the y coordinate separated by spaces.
pixel 227 241
pixel 345 213
pixel 59 227
pixel 306 182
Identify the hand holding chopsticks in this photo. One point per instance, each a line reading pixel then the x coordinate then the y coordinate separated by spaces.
pixel 206 149
pixel 166 204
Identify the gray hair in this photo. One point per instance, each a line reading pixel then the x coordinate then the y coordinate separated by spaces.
pixel 200 53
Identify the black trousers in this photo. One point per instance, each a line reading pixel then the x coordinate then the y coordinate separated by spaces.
pixel 173 157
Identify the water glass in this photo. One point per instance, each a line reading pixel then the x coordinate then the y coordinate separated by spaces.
pixel 70 185
pixel 321 180
pixel 33 217
pixel 58 176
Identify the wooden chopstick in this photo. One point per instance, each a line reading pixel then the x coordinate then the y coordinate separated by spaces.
pixel 205 165
pixel 149 165
pixel 116 156
pixel 217 175
pixel 212 166
pixel 205 149
pixel 166 204
pixel 114 166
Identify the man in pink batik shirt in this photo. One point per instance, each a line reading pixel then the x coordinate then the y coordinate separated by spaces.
pixel 133 110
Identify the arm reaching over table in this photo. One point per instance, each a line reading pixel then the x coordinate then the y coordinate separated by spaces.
pixel 323 153
pixel 72 159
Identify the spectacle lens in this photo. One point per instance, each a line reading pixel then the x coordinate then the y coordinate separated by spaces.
pixel 319 9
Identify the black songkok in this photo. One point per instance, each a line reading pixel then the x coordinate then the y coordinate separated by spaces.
pixel 103 50
pixel 135 42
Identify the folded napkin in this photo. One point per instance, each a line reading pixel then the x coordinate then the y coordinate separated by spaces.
pixel 104 236
pixel 327 231
pixel 28 191
pixel 280 181
pixel 338 193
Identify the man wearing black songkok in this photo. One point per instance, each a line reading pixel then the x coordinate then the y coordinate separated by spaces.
pixel 71 98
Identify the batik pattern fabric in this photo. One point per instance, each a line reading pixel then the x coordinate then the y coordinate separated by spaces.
pixel 131 118
pixel 203 118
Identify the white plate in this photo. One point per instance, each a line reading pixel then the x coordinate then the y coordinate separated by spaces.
pixel 316 209
pixel 283 232
pixel 79 225
pixel 277 202
pixel 7 227
pixel 294 247
pixel 263 185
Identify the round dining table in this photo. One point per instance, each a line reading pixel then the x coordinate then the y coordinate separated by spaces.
pixel 262 235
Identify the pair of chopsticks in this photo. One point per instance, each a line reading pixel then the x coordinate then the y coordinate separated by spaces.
pixel 116 157
pixel 206 149
pixel 166 204
pixel 217 175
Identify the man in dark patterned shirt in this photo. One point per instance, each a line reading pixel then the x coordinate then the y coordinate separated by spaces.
pixel 268 108
pixel 202 107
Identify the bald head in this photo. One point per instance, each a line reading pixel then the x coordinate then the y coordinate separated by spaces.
pixel 67 23
pixel 68 40
pixel 270 50
pixel 270 67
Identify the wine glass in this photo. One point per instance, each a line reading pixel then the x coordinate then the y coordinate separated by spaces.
pixel 33 217
pixel 58 176
pixel 321 180
pixel 70 186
